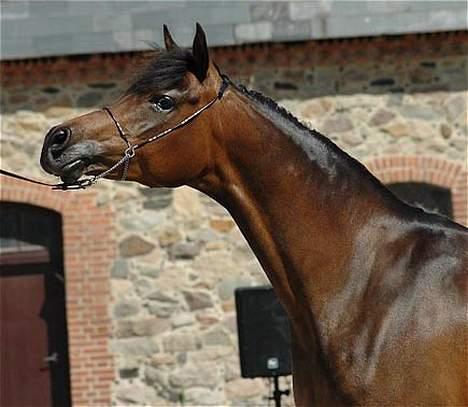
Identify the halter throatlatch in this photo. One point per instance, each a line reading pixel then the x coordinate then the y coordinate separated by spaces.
pixel 130 151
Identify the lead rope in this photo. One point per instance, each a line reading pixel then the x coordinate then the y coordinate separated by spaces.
pixel 129 152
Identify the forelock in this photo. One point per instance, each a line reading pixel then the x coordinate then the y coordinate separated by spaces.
pixel 166 70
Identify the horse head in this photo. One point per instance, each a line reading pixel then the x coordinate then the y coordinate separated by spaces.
pixel 162 110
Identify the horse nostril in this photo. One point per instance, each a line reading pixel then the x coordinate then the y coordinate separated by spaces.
pixel 58 140
pixel 60 136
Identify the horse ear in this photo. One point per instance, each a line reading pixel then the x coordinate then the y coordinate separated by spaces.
pixel 200 54
pixel 168 40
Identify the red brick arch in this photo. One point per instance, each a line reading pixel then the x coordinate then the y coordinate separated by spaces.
pixel 88 253
pixel 432 170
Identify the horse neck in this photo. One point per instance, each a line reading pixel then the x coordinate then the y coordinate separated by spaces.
pixel 295 196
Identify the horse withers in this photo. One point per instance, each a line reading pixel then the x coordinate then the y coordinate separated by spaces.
pixel 375 290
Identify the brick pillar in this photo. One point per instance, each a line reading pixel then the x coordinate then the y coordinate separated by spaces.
pixel 89 249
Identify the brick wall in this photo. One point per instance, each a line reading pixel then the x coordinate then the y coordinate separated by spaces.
pixel 89 251
pixel 242 61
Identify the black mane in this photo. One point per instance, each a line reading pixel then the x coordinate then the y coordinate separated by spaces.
pixel 166 70
pixel 265 100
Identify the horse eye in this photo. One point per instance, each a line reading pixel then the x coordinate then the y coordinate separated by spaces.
pixel 163 102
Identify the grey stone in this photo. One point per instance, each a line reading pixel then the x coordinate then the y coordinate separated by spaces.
pixel 181 358
pixel 51 44
pixel 123 40
pixel 337 124
pixel 455 106
pixel 13 10
pixel 156 198
pixel 379 24
pixel 126 308
pixel 203 235
pixel 182 319
pixel 89 99
pixel 285 30
pixel 135 346
pixel 223 13
pixel 127 361
pixel 198 299
pixel 227 286
pixel 260 31
pixel 352 139
pixel 150 326
pixel 162 296
pixel 143 221
pixel 418 111
pixel 135 246
pixel 161 310
pixel 381 117
pixel 143 286
pixel 169 236
pixel 155 377
pixel 76 8
pixel 112 22
pixel 123 328
pixel 93 42
pixel 242 389
pixel 204 397
pixel 184 250
pixel 181 342
pixel 269 11
pixel 48 8
pixel 120 269
pixel 436 5
pixel 220 34
pixel 162 359
pixel 217 336
pixel 136 394
pixel 43 26
pixel 17 47
pixel 201 375
pixel 307 10
pixel 230 322
pixel 151 271
pixel 445 130
pixel 231 368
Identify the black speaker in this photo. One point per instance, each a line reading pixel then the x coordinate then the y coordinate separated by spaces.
pixel 263 330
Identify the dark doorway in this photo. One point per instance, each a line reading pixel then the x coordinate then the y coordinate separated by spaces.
pixel 33 335
pixel 431 198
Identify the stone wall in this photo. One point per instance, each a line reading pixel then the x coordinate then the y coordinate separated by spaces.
pixel 180 256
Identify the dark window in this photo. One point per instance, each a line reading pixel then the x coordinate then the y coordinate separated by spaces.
pixel 430 197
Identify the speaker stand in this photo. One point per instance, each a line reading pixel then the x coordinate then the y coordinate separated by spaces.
pixel 277 393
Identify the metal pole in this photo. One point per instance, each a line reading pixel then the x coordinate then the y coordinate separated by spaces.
pixel 277 393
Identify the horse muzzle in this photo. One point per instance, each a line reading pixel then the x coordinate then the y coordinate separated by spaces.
pixel 62 158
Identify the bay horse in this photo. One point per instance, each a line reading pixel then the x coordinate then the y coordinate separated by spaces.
pixel 375 289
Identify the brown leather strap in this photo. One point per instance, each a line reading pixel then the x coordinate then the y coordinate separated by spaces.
pixel 61 186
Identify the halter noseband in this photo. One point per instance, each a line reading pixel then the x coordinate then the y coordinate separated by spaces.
pixel 129 152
